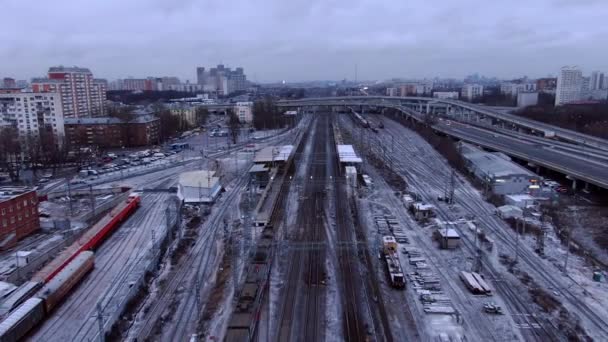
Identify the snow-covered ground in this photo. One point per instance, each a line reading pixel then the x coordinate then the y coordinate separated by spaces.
pixel 427 174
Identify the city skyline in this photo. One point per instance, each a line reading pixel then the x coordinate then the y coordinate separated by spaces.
pixel 320 41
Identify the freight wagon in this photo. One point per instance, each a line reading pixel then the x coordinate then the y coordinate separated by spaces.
pixel 393 265
pixel 91 239
pixel 34 310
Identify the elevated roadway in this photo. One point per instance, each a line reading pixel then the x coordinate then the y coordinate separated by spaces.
pixel 454 106
pixel 574 163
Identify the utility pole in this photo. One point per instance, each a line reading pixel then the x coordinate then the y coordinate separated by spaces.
pixel 197 288
pixel 102 335
pixel 92 199
pixel 70 198
pixel 153 241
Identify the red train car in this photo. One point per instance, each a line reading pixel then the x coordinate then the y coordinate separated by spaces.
pixel 91 239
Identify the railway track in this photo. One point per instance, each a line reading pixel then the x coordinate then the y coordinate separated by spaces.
pixel 471 201
pixel 305 278
pixel 422 169
pixel 199 253
pixel 353 323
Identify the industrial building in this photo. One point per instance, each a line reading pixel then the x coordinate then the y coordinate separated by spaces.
pixel 198 187
pixel 500 175
pixel 18 214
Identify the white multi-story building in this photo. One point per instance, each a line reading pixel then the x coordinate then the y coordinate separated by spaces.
pixel 33 114
pixel 569 85
pixel 392 91
pixel 446 95
pixel 81 94
pixel 244 111
pixel 525 99
pixel 471 91
pixel 515 88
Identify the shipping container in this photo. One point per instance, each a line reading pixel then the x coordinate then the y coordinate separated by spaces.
pixel 22 320
pixel 55 290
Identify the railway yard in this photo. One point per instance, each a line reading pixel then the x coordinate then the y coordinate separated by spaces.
pixel 369 234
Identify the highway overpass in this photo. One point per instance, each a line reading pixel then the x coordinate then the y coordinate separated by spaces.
pixel 574 165
pixel 454 107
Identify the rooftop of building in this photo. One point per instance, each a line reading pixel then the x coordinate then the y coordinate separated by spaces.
pixel 273 154
pixel 202 178
pixel 10 192
pixel 449 233
pixel 62 68
pixel 140 116
pixel 490 164
pixel 346 154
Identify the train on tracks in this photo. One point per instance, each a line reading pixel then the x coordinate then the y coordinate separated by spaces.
pixel 33 301
pixel 243 321
pixel 360 120
pixel 393 265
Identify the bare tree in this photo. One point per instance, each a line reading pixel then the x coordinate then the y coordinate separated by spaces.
pixel 10 152
pixel 202 115
pixel 234 125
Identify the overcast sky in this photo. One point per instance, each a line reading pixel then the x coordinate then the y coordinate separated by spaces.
pixel 304 39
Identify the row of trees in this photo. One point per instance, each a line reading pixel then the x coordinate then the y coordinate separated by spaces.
pixel 266 115
pixel 590 119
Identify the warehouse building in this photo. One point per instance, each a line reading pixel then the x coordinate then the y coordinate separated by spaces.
pixel 198 187
pixel 499 174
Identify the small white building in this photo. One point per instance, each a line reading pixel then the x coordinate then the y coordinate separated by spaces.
pixel 198 187
pixel 445 95
pixel 520 200
pixel 509 211
pixel 244 111
pixel 351 175
pixel 527 99
pixel 472 91
pixel 448 238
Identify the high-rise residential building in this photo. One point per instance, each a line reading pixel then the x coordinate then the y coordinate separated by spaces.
pixel 201 76
pixel 8 82
pixel 569 85
pixel 597 80
pixel 221 79
pixel 81 94
pixel 34 115
pixel 472 91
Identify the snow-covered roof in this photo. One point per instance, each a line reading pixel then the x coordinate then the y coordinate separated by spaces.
pixel 258 168
pixel 491 164
pixel 203 179
pixel 509 209
pixel 346 154
pixel 273 154
pixel 423 206
pixel 448 233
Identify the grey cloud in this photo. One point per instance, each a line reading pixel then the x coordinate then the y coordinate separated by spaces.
pixel 301 40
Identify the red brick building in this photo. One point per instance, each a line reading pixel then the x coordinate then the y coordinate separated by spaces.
pixel 18 214
pixel 111 132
